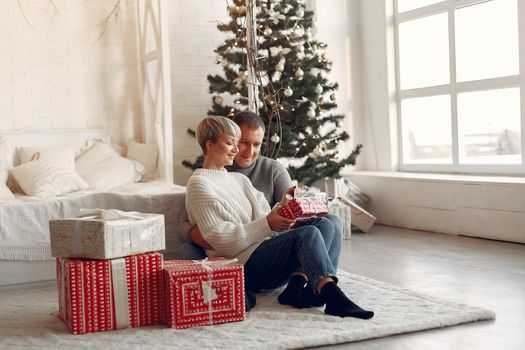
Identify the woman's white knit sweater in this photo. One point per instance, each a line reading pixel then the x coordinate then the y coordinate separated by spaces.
pixel 229 211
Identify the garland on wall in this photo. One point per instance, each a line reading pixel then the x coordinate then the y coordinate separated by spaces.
pixel 103 24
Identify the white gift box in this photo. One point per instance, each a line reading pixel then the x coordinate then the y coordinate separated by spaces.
pixel 107 234
pixel 344 212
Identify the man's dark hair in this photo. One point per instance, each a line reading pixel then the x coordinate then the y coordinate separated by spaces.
pixel 248 118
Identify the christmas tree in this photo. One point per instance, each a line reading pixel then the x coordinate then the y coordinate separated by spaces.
pixel 294 94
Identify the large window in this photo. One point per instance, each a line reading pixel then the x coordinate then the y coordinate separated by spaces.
pixel 461 96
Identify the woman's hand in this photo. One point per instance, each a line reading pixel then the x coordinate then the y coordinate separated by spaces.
pixel 278 223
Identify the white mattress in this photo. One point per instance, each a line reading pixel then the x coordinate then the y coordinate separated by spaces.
pixel 24 228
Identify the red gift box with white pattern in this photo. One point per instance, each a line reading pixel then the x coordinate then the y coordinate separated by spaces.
pixel 304 207
pixel 101 295
pixel 203 292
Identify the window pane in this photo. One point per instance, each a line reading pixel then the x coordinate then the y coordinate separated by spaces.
pixel 407 5
pixel 427 135
pixel 487 40
pixel 423 52
pixel 489 127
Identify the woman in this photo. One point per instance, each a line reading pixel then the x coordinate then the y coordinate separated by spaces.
pixel 236 220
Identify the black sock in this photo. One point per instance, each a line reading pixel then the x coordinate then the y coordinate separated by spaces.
pixel 292 294
pixel 338 304
pixel 249 300
pixel 312 299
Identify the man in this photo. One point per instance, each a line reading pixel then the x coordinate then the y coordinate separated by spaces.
pixel 271 178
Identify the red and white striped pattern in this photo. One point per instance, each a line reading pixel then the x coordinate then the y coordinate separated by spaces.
pixel 87 294
pixel 186 304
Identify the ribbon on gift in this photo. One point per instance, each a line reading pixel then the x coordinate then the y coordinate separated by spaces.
pixel 108 214
pixel 120 292
pixel 208 292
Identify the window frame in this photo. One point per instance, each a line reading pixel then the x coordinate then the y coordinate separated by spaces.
pixel 453 88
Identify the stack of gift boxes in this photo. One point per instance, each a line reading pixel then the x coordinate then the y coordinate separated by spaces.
pixel 110 276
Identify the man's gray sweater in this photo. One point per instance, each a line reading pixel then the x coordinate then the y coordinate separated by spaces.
pixel 268 176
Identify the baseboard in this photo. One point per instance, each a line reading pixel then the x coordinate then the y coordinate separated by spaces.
pixel 13 273
pixel 455 205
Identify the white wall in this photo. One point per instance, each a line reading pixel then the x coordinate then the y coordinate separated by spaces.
pixel 338 24
pixel 56 75
pixel 193 37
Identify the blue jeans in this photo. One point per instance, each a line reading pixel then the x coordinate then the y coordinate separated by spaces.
pixel 308 248
pixel 332 239
pixel 191 251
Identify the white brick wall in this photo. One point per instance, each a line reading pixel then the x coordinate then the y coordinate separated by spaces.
pixel 54 74
pixel 193 37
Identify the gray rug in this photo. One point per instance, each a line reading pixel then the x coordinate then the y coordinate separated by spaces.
pixel 28 319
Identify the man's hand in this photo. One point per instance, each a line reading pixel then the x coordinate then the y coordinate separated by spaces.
pixel 196 237
pixel 278 223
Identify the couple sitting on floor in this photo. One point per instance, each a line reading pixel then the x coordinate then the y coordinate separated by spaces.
pixel 231 216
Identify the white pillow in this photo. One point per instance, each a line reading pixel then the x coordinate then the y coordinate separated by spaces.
pixel 146 155
pixel 5 193
pixel 62 154
pixel 103 168
pixel 47 178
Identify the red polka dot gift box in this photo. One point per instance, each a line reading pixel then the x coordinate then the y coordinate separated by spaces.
pixel 304 207
pixel 203 292
pixel 102 295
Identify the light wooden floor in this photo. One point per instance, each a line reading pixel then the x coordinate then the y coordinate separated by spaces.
pixel 480 272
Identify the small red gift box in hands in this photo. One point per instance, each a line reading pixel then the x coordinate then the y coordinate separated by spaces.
pixel 303 207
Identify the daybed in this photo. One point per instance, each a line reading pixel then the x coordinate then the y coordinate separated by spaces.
pixel 24 232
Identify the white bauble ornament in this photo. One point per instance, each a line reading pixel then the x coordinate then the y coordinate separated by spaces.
pixel 288 92
pixel 299 12
pixel 314 71
pixel 275 138
pixel 279 67
pixel 310 113
pixel 276 76
pixel 299 74
pixel 300 48
pixel 318 89
pixel 225 63
pixel 299 31
pixel 300 55
pixel 268 31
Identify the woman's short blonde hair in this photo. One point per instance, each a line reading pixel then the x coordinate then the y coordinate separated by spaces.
pixel 210 128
